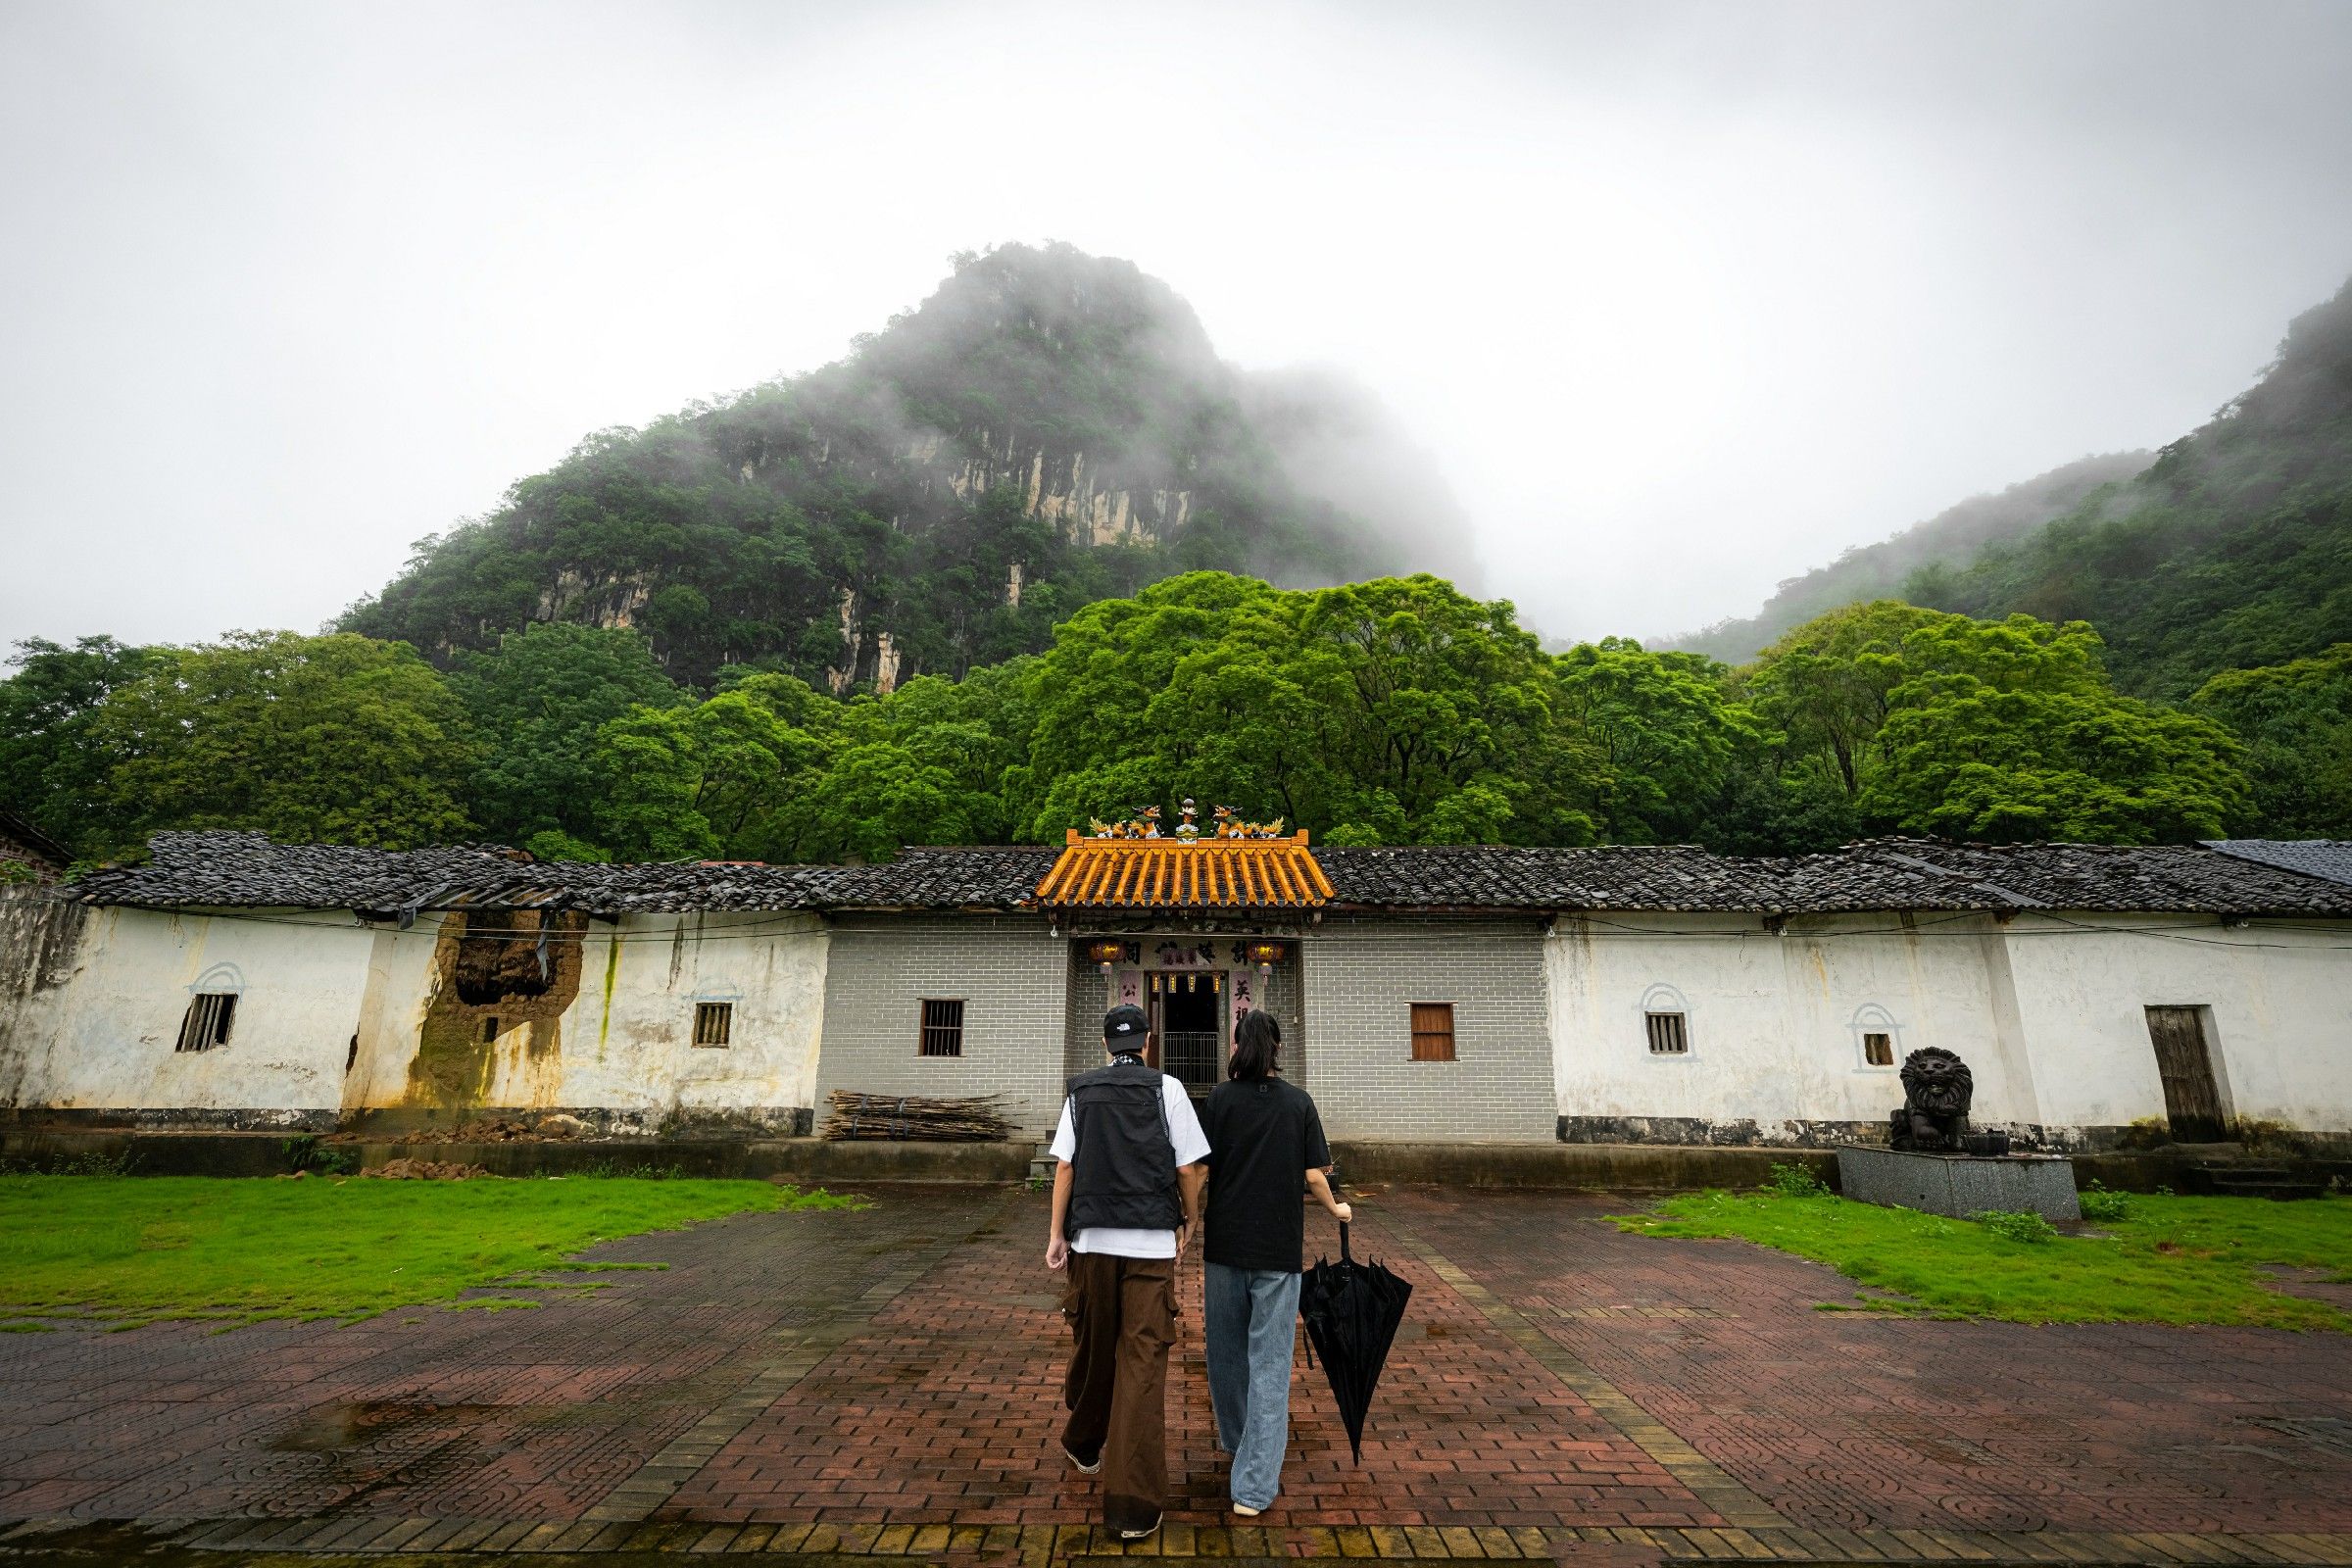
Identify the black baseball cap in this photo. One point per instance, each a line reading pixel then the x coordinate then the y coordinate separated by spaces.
pixel 1126 1021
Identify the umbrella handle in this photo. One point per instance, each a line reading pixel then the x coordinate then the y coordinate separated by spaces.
pixel 1344 1255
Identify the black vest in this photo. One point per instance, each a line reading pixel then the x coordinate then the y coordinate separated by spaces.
pixel 1125 1172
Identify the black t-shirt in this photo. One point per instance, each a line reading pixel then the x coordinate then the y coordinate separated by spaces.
pixel 1263 1136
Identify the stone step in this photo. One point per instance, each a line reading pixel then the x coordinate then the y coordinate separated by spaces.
pixel 2273 1184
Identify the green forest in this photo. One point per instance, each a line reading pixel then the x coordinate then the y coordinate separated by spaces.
pixel 2170 660
pixel 1397 711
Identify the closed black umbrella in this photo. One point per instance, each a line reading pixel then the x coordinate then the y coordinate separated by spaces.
pixel 1351 1311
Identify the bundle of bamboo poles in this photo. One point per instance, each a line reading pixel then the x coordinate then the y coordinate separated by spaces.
pixel 915 1118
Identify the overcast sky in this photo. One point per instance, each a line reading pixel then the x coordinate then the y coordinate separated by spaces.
pixel 1684 299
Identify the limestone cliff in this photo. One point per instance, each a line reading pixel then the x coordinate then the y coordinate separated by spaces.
pixel 1046 429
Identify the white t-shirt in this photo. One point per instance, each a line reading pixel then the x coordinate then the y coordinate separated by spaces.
pixel 1192 1148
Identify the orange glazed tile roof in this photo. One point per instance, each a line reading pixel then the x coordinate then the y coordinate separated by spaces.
pixel 1173 874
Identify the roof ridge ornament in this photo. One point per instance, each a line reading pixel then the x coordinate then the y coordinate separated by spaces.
pixel 1226 824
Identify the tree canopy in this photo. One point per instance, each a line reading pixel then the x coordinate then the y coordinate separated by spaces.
pixel 336 739
pixel 1399 710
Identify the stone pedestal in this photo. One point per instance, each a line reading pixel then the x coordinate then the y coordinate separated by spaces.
pixel 1960 1185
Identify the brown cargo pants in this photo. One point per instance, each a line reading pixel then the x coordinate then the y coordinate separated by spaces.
pixel 1122 1313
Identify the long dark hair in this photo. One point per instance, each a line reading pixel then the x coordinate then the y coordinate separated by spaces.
pixel 1255 1043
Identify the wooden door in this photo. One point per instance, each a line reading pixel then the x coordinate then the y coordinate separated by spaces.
pixel 2184 1061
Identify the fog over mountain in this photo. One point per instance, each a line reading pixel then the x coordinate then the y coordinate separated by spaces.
pixel 1679 301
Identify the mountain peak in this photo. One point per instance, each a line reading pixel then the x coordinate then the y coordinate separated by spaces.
pixel 1046 428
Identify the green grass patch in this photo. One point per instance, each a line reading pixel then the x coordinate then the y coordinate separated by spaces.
pixel 130 1252
pixel 2161 1261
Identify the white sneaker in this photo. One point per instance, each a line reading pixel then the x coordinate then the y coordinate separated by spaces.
pixel 1144 1534
pixel 1246 1511
pixel 1080 1465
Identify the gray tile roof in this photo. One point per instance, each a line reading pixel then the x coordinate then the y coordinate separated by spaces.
pixel 1881 874
pixel 245 869
pixel 231 870
pixel 2330 859
pixel 31 839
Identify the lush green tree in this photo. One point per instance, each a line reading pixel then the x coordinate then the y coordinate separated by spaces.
pixel 1396 711
pixel 1664 728
pixel 1445 708
pixel 2008 730
pixel 1931 722
pixel 335 739
pixel 728 776
pixel 52 772
pixel 1829 684
pixel 537 701
pixel 2295 722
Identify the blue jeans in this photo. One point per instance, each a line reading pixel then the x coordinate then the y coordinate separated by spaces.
pixel 1249 1313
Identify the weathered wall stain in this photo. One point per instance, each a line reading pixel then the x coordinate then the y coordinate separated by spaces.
pixel 40 937
pixel 493 1030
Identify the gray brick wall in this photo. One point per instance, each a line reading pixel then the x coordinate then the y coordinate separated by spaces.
pixel 1013 978
pixel 1363 974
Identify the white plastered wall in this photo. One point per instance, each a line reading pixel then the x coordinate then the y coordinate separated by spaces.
pixel 629 1041
pixel 99 1034
pixel 625 1043
pixel 1775 1020
pixel 2280 1020
pixel 104 1037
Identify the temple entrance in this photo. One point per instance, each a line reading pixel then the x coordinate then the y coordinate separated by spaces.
pixel 1188 1014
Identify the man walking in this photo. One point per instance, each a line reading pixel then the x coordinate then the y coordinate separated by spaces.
pixel 1126 1194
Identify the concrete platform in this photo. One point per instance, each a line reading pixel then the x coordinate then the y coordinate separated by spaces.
pixel 1960 1185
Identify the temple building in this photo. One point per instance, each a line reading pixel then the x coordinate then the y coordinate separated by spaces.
pixel 2100 995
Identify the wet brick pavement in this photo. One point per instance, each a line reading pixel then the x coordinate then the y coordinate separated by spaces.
pixel 887 1381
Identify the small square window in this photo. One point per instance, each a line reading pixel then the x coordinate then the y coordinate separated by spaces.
pixel 943 1027
pixel 1668 1036
pixel 1433 1031
pixel 714 1022
pixel 207 1022
pixel 1878 1050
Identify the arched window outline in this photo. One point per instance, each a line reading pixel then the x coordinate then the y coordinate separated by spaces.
pixel 1872 1019
pixel 1660 1002
pixel 221 979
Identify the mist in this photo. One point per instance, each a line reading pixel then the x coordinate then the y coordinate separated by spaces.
pixel 1674 301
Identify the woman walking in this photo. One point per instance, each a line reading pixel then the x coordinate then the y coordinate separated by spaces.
pixel 1263 1136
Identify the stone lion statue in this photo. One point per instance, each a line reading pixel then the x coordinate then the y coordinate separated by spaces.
pixel 1936 1090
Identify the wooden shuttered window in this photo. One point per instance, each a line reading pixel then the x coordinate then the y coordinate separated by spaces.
pixel 1433 1031
pixel 1668 1034
pixel 943 1027
pixel 714 1022
pixel 207 1022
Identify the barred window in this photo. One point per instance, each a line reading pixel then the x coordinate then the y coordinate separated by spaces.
pixel 1878 1050
pixel 1668 1036
pixel 714 1022
pixel 943 1027
pixel 207 1023
pixel 1433 1031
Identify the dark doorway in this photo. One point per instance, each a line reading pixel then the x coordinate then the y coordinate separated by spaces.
pixel 2192 1100
pixel 1191 1036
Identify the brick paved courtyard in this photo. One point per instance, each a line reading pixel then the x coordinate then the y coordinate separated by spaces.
pixel 887 1381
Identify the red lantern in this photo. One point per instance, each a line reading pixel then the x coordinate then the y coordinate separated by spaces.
pixel 1106 953
pixel 1265 954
